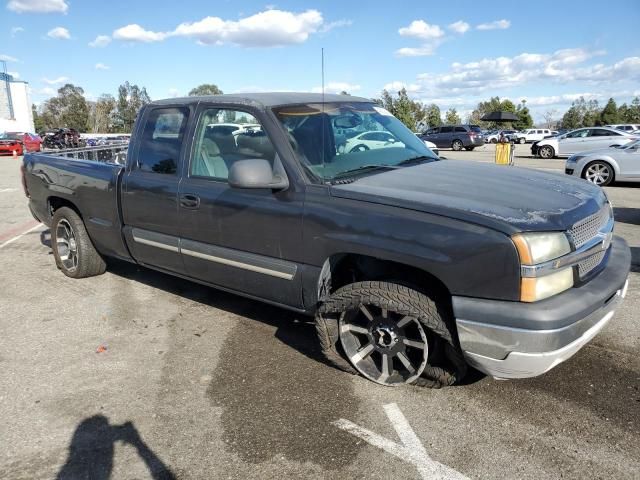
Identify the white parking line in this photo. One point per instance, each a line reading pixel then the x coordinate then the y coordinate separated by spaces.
pixel 18 237
pixel 6 190
pixel 410 450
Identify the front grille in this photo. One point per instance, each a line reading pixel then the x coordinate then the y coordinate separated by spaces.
pixel 586 229
pixel 585 266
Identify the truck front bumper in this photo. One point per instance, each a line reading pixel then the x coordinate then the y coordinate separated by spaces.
pixel 520 340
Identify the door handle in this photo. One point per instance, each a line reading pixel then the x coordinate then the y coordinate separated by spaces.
pixel 189 200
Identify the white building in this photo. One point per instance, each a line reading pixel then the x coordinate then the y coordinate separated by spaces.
pixel 15 105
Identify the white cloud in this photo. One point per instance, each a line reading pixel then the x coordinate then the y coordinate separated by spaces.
pixel 337 24
pixel 45 91
pixel 100 41
pixel 396 86
pixel 8 58
pixel 422 30
pixel 135 33
pixel 38 6
pixel 101 66
pixel 55 81
pixel 16 30
pixel 495 25
pixel 337 87
pixel 59 33
pixel 265 29
pixel 459 27
pixel 421 51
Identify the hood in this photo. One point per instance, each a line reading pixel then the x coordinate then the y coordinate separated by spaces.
pixel 509 199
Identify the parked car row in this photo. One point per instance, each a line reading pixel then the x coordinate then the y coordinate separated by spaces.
pixel 580 140
pixel 20 142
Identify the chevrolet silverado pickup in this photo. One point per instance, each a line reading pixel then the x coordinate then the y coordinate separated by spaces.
pixel 413 267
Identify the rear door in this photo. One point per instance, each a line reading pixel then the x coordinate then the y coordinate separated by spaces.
pixel 150 188
pixel 241 239
pixel 603 138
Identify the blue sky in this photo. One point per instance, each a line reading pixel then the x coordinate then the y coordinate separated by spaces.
pixel 451 53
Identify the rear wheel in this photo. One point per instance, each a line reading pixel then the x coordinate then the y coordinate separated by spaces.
pixel 600 173
pixel 546 151
pixel 494 140
pixel 73 251
pixel 457 145
pixel 359 148
pixel 522 140
pixel 390 334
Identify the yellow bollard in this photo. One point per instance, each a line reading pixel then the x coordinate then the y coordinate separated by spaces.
pixel 503 153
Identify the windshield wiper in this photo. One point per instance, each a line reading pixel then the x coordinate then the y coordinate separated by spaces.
pixel 364 169
pixel 415 160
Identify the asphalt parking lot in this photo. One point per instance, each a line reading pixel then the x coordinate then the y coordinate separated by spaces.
pixel 142 375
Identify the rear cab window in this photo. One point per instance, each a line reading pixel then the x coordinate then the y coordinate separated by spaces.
pixel 161 140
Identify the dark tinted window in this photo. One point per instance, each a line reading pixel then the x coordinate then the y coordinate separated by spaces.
pixel 601 132
pixel 446 129
pixel 475 128
pixel 162 140
pixel 461 129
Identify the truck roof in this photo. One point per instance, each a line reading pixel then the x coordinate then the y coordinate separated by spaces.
pixel 266 99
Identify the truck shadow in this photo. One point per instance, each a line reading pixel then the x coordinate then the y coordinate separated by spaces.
pixel 276 396
pixel 92 448
pixel 627 215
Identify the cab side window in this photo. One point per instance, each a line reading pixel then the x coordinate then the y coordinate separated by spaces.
pixel 224 136
pixel 162 140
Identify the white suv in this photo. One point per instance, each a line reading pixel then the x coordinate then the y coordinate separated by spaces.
pixel 625 127
pixel 533 135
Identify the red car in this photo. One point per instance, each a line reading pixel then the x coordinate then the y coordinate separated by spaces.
pixel 30 141
pixel 9 145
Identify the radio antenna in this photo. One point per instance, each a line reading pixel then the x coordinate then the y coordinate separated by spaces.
pixel 322 119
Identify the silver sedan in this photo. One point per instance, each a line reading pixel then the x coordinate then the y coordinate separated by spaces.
pixel 602 167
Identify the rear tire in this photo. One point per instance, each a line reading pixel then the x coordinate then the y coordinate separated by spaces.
pixel 494 140
pixel 522 140
pixel 457 145
pixel 546 151
pixel 365 325
pixel 72 248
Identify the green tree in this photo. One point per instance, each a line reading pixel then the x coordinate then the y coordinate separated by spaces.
pixel 452 117
pixel 67 109
pixel 102 119
pixel 38 121
pixel 413 114
pixel 609 113
pixel 524 117
pixel 433 116
pixel 634 111
pixel 205 89
pixel 572 119
pixel 494 104
pixel 131 99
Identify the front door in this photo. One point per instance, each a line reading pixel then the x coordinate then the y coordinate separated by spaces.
pixel 241 239
pixel 150 189
pixel 573 142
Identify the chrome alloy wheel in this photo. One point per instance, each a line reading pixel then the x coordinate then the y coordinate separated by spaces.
pixel 598 173
pixel 66 245
pixel 384 346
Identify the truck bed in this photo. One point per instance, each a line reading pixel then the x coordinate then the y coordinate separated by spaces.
pixel 89 179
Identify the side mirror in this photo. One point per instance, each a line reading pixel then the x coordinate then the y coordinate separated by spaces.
pixel 256 173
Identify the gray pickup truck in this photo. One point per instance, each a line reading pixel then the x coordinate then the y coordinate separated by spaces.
pixel 414 268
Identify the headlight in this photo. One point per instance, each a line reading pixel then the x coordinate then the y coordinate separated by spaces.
pixel 539 247
pixel 533 289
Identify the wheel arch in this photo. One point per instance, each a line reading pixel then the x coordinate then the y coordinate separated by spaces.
pixel 55 203
pixel 341 269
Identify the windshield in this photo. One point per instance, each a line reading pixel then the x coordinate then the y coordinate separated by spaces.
pixel 339 139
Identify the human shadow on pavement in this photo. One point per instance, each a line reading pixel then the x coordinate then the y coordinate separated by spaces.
pixel 92 448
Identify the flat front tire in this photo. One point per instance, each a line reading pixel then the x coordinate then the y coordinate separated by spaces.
pixel 73 250
pixel 390 334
